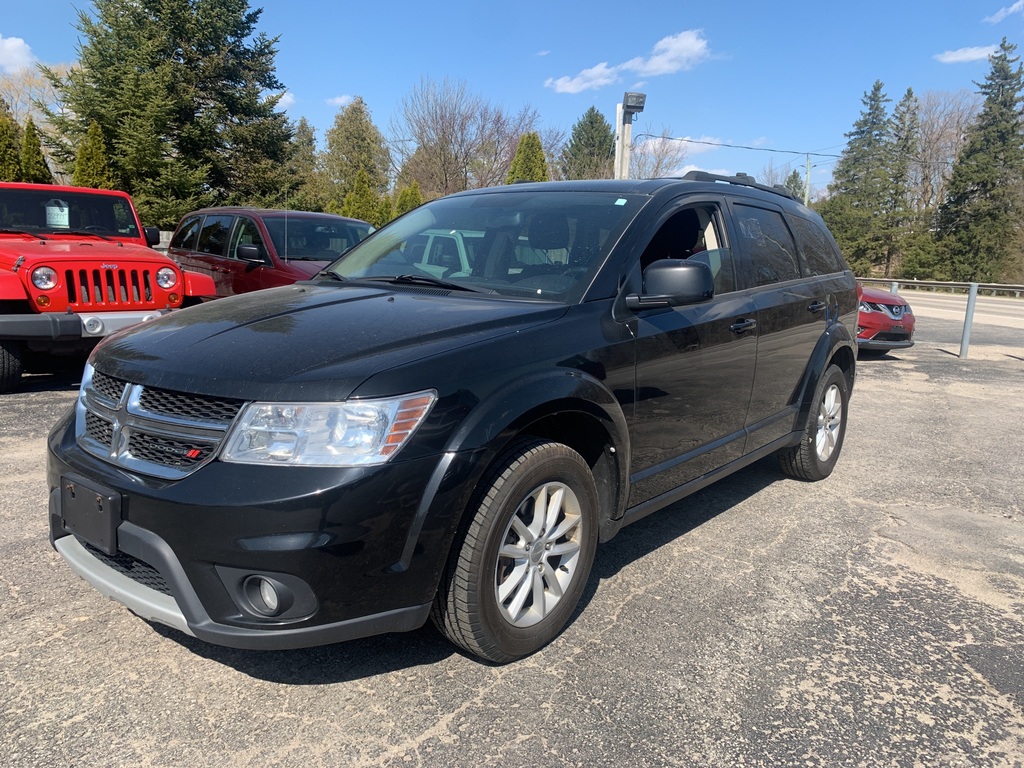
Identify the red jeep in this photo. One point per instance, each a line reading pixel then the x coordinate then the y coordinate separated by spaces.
pixel 75 265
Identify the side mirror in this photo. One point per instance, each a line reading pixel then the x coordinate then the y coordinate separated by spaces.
pixel 152 236
pixel 250 253
pixel 673 283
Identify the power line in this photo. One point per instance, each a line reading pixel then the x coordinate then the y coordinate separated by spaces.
pixel 735 146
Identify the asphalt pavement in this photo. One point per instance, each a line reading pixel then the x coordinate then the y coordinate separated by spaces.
pixel 873 619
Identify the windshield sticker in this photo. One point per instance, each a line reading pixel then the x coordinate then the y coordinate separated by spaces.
pixel 56 214
pixel 621 201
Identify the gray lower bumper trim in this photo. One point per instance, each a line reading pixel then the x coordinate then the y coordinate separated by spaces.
pixel 143 601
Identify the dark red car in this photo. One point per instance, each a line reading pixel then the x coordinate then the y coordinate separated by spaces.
pixel 884 322
pixel 246 249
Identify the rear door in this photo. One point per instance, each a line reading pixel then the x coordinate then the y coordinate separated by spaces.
pixel 791 312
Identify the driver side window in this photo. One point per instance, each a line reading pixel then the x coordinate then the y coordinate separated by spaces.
pixel 246 233
pixel 694 233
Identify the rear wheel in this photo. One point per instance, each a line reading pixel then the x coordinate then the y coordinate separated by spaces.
pixel 818 451
pixel 11 365
pixel 517 574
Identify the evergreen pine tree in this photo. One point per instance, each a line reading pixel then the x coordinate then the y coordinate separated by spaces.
pixel 91 166
pixel 590 152
pixel 795 184
pixel 304 166
pixel 979 220
pixel 186 94
pixel 529 163
pixel 33 164
pixel 860 196
pixel 409 197
pixel 362 202
pixel 10 157
pixel 355 144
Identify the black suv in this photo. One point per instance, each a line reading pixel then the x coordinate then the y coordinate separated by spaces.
pixel 389 442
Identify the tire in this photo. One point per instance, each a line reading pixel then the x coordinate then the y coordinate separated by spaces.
pixel 515 577
pixel 816 455
pixel 11 365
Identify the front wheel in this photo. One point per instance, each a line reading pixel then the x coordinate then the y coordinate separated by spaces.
pixel 517 574
pixel 816 455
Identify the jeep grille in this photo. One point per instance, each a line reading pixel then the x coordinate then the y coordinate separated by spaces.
pixel 150 430
pixel 110 287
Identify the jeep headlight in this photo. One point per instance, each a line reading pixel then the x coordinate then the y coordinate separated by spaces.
pixel 166 278
pixel 44 278
pixel 348 434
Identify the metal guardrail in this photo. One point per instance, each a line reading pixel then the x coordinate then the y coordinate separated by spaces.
pixel 971 289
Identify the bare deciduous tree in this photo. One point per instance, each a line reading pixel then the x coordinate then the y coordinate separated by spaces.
pixel 449 139
pixel 944 117
pixel 652 157
pixel 25 89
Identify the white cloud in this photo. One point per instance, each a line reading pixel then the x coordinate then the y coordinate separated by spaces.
pixel 340 101
pixel 588 79
pixel 543 53
pixel 287 100
pixel 1002 13
pixel 14 54
pixel 670 55
pixel 962 55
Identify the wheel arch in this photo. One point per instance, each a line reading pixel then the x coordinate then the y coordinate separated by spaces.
pixel 835 347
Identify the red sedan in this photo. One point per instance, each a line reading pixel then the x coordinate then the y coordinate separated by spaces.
pixel 884 322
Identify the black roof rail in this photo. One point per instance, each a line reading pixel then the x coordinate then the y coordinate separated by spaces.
pixel 743 179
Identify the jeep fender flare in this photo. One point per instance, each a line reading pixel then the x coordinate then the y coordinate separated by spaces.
pixel 11 288
pixel 198 284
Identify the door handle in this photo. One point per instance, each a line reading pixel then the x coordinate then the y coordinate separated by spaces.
pixel 817 306
pixel 743 326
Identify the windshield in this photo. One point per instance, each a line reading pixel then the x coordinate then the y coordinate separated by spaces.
pixel 313 237
pixel 545 244
pixel 55 211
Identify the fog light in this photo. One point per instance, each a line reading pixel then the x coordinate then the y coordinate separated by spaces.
pixel 263 595
pixel 93 325
pixel 173 298
pixel 43 301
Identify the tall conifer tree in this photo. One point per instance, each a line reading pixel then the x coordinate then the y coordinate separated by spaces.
pixel 590 152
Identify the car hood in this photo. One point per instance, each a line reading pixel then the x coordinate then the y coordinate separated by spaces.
pixel 36 251
pixel 878 296
pixel 307 341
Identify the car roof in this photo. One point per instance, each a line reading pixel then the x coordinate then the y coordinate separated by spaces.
pixel 252 211
pixel 61 188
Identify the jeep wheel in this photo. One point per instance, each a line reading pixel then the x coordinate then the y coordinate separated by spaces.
pixel 816 455
pixel 517 573
pixel 11 365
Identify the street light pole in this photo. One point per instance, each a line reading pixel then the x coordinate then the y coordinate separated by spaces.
pixel 632 103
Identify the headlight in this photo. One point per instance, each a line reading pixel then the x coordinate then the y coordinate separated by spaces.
pixel 865 307
pixel 44 278
pixel 353 433
pixel 166 277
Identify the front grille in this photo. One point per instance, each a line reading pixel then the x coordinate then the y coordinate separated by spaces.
pixel 135 569
pixel 110 287
pixel 186 406
pixel 150 430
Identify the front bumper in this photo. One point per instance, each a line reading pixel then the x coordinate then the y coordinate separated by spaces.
pixel 59 326
pixel 358 551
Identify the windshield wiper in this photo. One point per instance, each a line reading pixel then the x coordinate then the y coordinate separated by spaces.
pixel 86 232
pixel 425 280
pixel 36 235
pixel 332 275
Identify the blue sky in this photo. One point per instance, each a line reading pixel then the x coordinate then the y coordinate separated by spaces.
pixel 780 76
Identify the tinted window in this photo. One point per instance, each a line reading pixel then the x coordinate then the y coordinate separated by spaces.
pixel 246 233
pixel 769 244
pixel 694 233
pixel 213 237
pixel 816 249
pixel 186 235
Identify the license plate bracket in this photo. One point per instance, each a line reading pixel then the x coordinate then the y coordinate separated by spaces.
pixel 91 512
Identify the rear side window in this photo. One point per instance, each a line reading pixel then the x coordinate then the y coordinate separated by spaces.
pixel 768 241
pixel 819 255
pixel 213 237
pixel 187 234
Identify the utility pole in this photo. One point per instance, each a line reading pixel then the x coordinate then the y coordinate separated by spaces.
pixel 807 182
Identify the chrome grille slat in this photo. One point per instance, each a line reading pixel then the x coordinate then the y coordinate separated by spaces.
pixel 153 431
